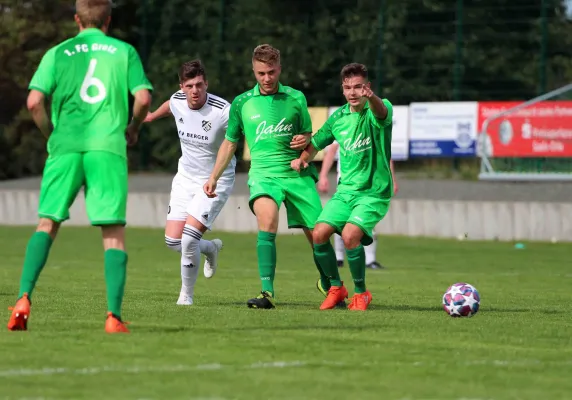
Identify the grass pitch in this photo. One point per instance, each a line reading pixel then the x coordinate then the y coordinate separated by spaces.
pixel 405 347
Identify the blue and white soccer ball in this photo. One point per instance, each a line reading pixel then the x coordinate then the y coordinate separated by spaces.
pixel 461 300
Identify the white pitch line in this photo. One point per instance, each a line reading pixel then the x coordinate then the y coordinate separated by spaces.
pixel 48 371
pixel 147 369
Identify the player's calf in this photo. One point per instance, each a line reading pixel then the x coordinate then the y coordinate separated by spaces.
pixel 190 259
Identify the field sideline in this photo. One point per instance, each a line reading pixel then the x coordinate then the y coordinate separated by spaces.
pixel 519 345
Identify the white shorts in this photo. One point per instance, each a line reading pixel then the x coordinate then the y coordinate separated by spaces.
pixel 188 198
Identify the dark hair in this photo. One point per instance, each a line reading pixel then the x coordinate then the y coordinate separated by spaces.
pixel 192 69
pixel 353 69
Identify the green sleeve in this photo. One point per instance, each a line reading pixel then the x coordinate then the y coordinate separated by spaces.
pixel 44 79
pixel 324 137
pixel 382 123
pixel 136 74
pixel 305 119
pixel 234 130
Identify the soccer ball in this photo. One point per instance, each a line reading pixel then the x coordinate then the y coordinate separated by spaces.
pixel 461 300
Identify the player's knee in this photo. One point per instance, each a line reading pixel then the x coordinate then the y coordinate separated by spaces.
pixel 266 212
pixel 49 226
pixel 190 241
pixel 351 238
pixel 321 233
pixel 173 243
pixel 267 221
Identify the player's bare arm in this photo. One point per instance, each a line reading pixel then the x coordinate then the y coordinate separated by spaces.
pixel 224 156
pixel 307 155
pixel 140 110
pixel 163 111
pixel 327 162
pixel 37 107
pixel 375 104
pixel 395 185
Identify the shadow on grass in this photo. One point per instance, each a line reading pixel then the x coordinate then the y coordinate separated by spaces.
pixel 306 305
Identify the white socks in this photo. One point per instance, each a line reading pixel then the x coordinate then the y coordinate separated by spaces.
pixel 190 258
pixel 205 246
pixel 173 244
pixel 370 252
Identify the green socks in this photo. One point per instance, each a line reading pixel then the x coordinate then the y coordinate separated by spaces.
pixel 356 261
pixel 36 256
pixel 324 280
pixel 325 256
pixel 115 274
pixel 266 250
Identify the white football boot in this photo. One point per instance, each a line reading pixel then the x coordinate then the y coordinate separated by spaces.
pixel 211 259
pixel 185 299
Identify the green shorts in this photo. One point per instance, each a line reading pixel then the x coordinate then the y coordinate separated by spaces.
pixel 104 176
pixel 359 210
pixel 299 195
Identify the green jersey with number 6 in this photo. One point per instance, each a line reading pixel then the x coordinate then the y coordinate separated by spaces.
pixel 88 78
pixel 365 149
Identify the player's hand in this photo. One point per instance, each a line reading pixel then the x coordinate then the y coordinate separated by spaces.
pixel 148 118
pixel 132 134
pixel 367 92
pixel 298 164
pixel 324 185
pixel 299 142
pixel 209 188
pixel 395 187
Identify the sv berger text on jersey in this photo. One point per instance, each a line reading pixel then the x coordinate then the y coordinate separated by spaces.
pixel 193 138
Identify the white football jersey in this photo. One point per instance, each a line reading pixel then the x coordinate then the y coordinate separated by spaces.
pixel 201 133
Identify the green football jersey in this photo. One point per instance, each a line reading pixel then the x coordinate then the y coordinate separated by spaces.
pixel 89 78
pixel 268 123
pixel 365 149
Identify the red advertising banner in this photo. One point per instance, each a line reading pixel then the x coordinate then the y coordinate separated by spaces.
pixel 540 130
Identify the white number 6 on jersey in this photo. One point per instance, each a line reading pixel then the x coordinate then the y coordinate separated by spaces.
pixel 89 81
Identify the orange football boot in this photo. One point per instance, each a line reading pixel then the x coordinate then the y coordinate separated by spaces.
pixel 115 325
pixel 336 294
pixel 360 301
pixel 20 314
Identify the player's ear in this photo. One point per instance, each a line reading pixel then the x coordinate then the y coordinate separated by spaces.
pixel 107 22
pixel 77 21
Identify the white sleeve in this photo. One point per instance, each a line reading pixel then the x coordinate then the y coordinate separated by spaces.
pixel 224 117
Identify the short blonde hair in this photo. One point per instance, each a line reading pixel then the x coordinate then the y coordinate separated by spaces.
pixel 93 13
pixel 266 54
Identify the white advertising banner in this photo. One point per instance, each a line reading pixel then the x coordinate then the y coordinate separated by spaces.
pixel 447 129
